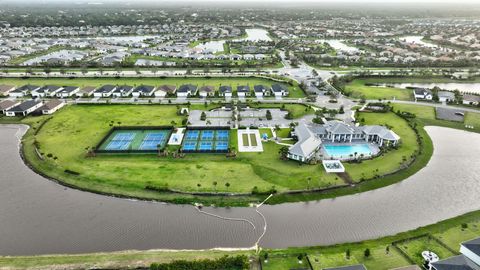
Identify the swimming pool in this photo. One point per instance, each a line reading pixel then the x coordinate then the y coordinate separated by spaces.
pixel 344 151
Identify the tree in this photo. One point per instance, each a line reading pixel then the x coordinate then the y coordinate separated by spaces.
pixel 203 116
pixel 269 115
pixel 215 185
pixel 341 110
pixel 199 185
pixel 347 254
pixel 283 152
pixel 366 253
pixel 227 185
pixel 300 258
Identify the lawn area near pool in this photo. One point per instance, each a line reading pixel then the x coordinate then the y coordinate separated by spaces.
pixel 69 132
pixel 295 91
pixel 392 160
pixel 284 263
pixel 414 248
pixel 358 88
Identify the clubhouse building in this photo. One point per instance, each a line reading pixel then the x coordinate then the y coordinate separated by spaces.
pixel 312 137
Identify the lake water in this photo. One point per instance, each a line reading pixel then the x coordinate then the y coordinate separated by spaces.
pixel 339 45
pixel 462 87
pixel 418 40
pixel 39 216
pixel 252 35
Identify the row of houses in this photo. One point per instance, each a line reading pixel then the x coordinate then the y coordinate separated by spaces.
pixel 118 91
pixel 445 96
pixel 15 108
pixel 311 137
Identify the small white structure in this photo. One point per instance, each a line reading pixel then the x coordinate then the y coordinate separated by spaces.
pixel 177 137
pixel 249 140
pixel 430 258
pixel 422 93
pixel 52 106
pixel 333 166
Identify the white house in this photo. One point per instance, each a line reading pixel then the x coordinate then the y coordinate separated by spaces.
pixel 23 91
pixel 422 93
pixel 46 91
pixel 85 91
pixel 164 90
pixel 6 89
pixel 307 144
pixel 7 105
pixel 446 96
pixel 469 99
pixel 261 90
pixel 243 90
pixel 207 91
pixel 24 108
pixel 122 91
pixel 104 91
pixel 67 91
pixel 225 91
pixel 187 90
pixel 143 91
pixel 468 260
pixel 52 106
pixel 279 90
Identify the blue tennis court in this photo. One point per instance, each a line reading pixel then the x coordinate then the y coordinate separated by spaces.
pixel 150 145
pixel 190 146
pixel 205 146
pixel 155 136
pixel 124 136
pixel 118 145
pixel 192 135
pixel 207 135
pixel 222 135
pixel 221 145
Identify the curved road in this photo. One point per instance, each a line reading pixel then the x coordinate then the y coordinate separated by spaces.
pixel 38 216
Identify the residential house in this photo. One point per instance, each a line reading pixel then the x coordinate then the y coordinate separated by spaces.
pixel 122 91
pixel 225 91
pixel 23 91
pixel 243 90
pixel 261 90
pixel 24 108
pixel 469 99
pixel 51 106
pixel 104 91
pixel 279 90
pixel 306 146
pixel 207 91
pixel 468 260
pixel 6 89
pixel 45 91
pixel 67 91
pixel 86 91
pixel 143 91
pixel 187 90
pixel 422 93
pixel 164 90
pixel 7 105
pixel 446 96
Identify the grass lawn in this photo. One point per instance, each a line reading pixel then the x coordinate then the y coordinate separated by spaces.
pixel 454 236
pixel 357 89
pixel 414 248
pixel 390 161
pixel 426 116
pixel 284 263
pixel 378 260
pixel 296 110
pixel 295 91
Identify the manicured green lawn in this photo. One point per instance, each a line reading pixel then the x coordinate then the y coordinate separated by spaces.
pixel 454 236
pixel 284 263
pixel 392 160
pixel 414 249
pixel 357 89
pixel 378 260
pixel 295 91
pixel 296 110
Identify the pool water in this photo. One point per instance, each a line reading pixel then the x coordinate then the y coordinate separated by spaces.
pixel 344 151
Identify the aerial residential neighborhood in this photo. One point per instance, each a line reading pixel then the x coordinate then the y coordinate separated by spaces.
pixel 235 135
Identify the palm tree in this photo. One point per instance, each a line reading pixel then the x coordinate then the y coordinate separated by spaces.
pixel 198 186
pixel 227 185
pixel 215 185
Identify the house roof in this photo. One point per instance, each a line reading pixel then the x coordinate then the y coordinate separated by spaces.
pixel 25 106
pixel 51 104
pixel 68 89
pixel 382 132
pixel 421 91
pixel 307 142
pixel 49 88
pixel 105 88
pixel 6 104
pixel 207 88
pixel 225 89
pixel 144 88
pixel 471 98
pixel 123 88
pixel 27 87
pixel 456 263
pixel 446 94
pixel 259 88
pixel 350 267
pixel 337 127
pixel 87 89
pixel 168 88
pixel 243 88
pixel 187 88
pixel 279 88
pixel 473 245
pixel 6 88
